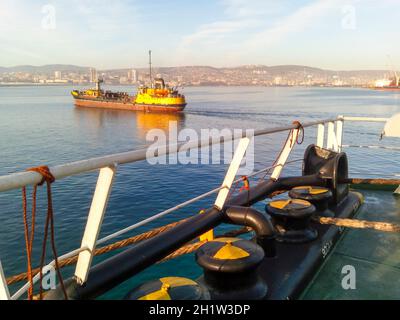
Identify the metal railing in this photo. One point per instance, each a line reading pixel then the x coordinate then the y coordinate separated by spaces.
pixel 107 166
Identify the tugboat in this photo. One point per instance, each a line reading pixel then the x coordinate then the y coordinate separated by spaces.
pixel 158 97
pixel 392 84
pixel 388 85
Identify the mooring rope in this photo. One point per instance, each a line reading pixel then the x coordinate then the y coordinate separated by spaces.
pixel 379 182
pixel 359 224
pixel 192 247
pixel 101 250
pixel 129 241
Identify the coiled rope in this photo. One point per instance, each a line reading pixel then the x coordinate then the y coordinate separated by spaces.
pixel 47 177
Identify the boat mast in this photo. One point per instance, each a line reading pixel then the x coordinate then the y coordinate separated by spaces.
pixel 151 80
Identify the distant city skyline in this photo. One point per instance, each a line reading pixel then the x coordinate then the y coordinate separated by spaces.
pixel 197 76
pixel 328 34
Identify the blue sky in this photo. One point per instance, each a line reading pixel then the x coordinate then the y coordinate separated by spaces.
pixel 332 34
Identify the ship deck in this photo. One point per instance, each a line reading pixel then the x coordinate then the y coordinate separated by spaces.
pixel 375 256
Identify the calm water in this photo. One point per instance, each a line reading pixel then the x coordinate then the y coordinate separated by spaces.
pixel 40 125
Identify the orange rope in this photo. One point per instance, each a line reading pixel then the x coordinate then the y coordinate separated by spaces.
pixel 47 177
pixel 28 243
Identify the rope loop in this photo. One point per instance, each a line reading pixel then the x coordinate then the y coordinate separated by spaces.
pixel 300 128
pixel 44 171
pixel 47 177
pixel 246 184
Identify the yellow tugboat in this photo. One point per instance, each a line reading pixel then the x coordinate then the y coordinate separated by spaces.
pixel 159 97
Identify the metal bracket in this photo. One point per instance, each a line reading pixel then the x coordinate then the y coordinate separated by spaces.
pixel 320 135
pixel 332 142
pixel 339 133
pixel 94 222
pixel 231 173
pixel 290 143
pixel 4 292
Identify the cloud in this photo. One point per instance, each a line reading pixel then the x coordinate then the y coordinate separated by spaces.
pixel 252 8
pixel 106 16
pixel 243 21
pixel 86 31
pixel 293 23
pixel 217 30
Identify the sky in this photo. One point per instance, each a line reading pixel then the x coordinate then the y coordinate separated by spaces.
pixel 106 34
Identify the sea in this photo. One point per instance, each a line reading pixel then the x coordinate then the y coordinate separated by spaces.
pixel 39 125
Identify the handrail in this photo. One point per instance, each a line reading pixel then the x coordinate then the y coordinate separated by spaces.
pixel 183 204
pixel 21 179
pixel 69 254
pixel 18 180
pixel 365 119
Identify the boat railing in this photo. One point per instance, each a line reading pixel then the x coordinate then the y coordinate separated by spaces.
pixel 107 166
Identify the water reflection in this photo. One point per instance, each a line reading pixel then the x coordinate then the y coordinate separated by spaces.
pixel 147 121
pixel 139 123
pixel 97 117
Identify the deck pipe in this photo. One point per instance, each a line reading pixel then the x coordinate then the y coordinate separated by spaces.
pixel 260 222
pixel 122 266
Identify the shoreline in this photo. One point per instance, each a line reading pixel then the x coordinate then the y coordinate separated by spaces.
pixel 204 85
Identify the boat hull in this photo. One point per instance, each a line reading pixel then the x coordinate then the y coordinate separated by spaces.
pixel 388 88
pixel 119 105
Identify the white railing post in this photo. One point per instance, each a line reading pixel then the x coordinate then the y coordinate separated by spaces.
pixel 339 133
pixel 4 293
pixel 94 221
pixel 231 173
pixel 332 142
pixel 289 145
pixel 320 135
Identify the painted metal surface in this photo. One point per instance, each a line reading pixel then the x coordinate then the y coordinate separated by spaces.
pixel 232 171
pixel 392 127
pixel 375 262
pixel 287 149
pixel 320 135
pixel 94 222
pixel 4 293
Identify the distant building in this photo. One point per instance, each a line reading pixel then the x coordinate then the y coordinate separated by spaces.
pixel 278 81
pixel 57 75
pixel 93 75
pixel 132 76
pixel 124 80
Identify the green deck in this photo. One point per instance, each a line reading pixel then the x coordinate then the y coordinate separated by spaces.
pixel 374 254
